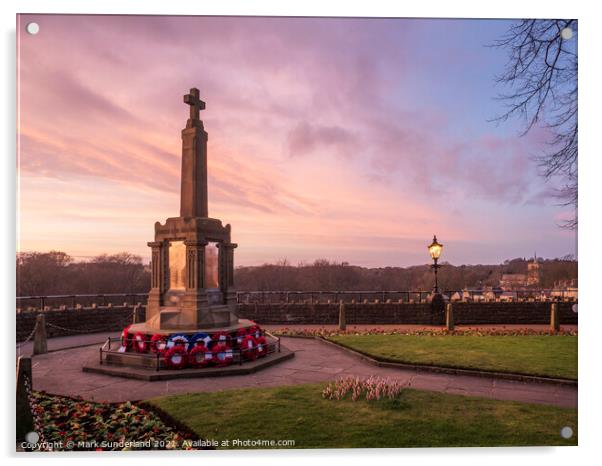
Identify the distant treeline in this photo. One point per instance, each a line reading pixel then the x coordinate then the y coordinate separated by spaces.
pixel 55 272
pixel 323 275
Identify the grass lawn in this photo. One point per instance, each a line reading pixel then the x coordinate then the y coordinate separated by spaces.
pixel 415 419
pixel 551 356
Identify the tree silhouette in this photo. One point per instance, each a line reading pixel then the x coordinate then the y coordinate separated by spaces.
pixel 542 75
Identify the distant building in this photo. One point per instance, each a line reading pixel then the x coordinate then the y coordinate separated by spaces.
pixel 512 281
pixel 565 284
pixel 534 272
pixel 481 294
pixel 508 296
pixel 566 288
pixel 533 277
pixel 463 295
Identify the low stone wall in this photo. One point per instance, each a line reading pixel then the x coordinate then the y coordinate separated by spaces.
pixel 112 319
pixel 512 313
pixel 407 313
pixel 77 321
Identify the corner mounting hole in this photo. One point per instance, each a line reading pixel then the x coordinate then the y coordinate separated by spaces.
pixel 566 432
pixel 566 33
pixel 32 28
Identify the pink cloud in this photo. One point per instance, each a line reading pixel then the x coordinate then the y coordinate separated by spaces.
pixel 305 138
pixel 101 100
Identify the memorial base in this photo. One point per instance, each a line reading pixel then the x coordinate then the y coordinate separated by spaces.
pixel 144 352
pixel 147 328
pixel 145 373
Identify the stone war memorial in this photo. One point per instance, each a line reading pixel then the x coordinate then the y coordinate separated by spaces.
pixel 191 320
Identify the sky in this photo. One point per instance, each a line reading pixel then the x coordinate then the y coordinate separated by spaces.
pixel 345 139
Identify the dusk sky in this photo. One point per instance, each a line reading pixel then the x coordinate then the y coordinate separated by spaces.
pixel 347 139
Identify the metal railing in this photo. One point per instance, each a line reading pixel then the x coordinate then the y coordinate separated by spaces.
pixel 314 297
pixel 299 297
pixel 409 296
pixel 83 300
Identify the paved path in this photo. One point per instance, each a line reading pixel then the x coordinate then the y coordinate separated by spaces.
pixel 73 341
pixel 60 372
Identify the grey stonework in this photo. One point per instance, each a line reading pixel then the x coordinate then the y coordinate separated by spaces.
pixel 188 307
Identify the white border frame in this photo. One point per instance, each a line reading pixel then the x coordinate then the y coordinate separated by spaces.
pixel 590 166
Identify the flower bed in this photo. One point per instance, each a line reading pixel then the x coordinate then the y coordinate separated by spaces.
pixel 497 331
pixel 371 388
pixel 66 424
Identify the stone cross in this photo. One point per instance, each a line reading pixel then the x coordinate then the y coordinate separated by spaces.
pixel 193 197
pixel 196 105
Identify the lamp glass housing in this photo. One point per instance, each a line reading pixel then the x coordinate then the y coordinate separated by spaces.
pixel 435 249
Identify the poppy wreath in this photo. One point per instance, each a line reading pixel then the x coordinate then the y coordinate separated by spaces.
pixel 255 331
pixel 126 337
pixel 177 340
pixel 176 357
pixel 158 343
pixel 199 339
pixel 248 348
pixel 141 343
pixel 222 355
pixel 262 347
pixel 220 338
pixel 240 335
pixel 199 356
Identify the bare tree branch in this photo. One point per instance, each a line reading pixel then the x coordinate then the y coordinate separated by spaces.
pixel 541 74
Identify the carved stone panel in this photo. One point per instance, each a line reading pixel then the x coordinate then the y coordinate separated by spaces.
pixel 177 266
pixel 211 266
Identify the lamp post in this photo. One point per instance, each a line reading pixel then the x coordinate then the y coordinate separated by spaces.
pixel 435 251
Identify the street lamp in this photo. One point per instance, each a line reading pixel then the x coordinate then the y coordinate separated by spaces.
pixel 435 249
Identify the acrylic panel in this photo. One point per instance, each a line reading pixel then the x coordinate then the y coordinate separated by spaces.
pixel 196 193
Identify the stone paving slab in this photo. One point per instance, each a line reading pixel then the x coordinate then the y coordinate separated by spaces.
pixel 60 372
pixel 72 341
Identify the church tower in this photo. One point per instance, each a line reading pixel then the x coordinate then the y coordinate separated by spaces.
pixel 534 272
